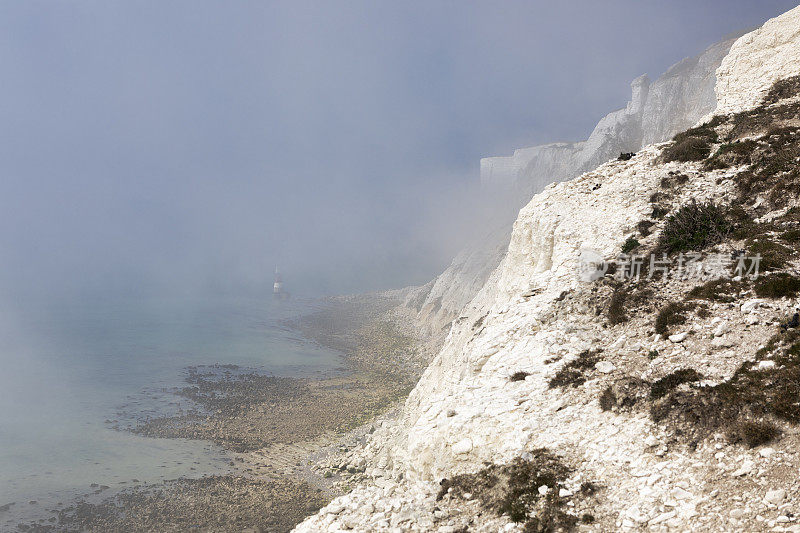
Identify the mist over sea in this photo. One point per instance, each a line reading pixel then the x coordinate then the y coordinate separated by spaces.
pixel 69 366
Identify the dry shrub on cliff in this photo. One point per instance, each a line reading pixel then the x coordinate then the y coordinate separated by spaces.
pixel 732 154
pixel 625 393
pixel 672 314
pixel 762 392
pixel 645 226
pixel 518 376
pixel 693 227
pixel 691 145
pixel 774 256
pixel 753 432
pixel 513 490
pixel 777 286
pixel 717 290
pixel 783 89
pixel 574 373
pixel 663 386
pixel 616 306
pixel 630 244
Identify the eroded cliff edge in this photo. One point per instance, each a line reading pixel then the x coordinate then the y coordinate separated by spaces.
pixel 656 112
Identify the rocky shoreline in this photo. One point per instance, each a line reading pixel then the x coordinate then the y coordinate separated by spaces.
pixel 287 436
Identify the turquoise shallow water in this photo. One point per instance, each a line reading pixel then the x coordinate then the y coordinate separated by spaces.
pixel 68 366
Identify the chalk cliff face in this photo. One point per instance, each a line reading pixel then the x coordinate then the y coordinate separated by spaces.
pixel 656 112
pixel 491 396
pixel 756 61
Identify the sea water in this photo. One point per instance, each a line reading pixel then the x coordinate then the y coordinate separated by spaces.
pixel 69 366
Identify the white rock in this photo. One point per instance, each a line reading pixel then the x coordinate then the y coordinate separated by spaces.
pixel 722 342
pixel 746 468
pixel 766 365
pixel 564 493
pixel 543 490
pixel 751 305
pixel 679 337
pixel 736 513
pixel 334 508
pixel 463 446
pixel 663 517
pixel 721 329
pixel 681 494
pixel 675 523
pixel 619 343
pixel 766 452
pixel 651 441
pixel 605 367
pixel 752 319
pixel 775 497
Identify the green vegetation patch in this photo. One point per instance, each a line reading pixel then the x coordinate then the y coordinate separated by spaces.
pixel 630 245
pixel 761 392
pixel 773 172
pixel 695 226
pixel 774 256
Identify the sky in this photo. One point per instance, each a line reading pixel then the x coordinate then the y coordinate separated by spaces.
pixel 190 146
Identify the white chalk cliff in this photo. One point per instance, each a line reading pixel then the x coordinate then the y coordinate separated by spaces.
pixel 533 312
pixel 756 61
pixel 656 112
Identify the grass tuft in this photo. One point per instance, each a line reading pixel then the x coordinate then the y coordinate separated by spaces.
pixel 663 386
pixel 753 432
pixel 672 314
pixel 616 307
pixel 777 286
pixel 573 374
pixel 518 376
pixel 691 145
pixel 630 244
